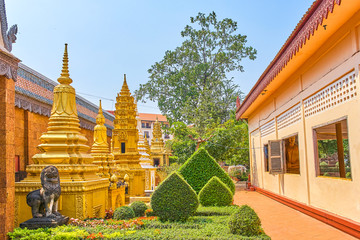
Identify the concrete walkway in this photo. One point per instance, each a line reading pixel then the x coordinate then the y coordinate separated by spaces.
pixel 281 222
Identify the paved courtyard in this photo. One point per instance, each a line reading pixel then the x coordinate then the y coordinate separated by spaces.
pixel 281 222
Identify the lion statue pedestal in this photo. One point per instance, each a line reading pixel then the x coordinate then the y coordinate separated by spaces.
pixel 44 202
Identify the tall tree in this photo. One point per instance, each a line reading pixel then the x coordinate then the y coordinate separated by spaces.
pixel 190 82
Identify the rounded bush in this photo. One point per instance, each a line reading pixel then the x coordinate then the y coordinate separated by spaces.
pixel 215 193
pixel 124 212
pixel 245 222
pixel 139 208
pixel 174 199
pixel 200 168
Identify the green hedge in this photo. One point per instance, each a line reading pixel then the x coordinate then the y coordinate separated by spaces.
pixel 174 199
pixel 139 208
pixel 245 222
pixel 215 193
pixel 124 212
pixel 200 168
pixel 216 211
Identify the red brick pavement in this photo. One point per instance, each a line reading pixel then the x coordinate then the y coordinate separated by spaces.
pixel 281 222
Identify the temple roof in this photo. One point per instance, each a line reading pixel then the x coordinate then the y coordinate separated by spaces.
pixel 302 33
pixel 152 117
pixel 34 93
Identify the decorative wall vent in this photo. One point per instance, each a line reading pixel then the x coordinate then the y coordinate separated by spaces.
pixel 267 128
pixel 289 117
pixel 336 93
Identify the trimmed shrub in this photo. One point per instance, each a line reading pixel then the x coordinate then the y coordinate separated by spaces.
pixel 200 168
pixel 139 208
pixel 245 222
pixel 215 193
pixel 124 212
pixel 216 211
pixel 174 199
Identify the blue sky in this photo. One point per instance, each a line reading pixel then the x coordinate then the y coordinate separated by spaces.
pixel 110 38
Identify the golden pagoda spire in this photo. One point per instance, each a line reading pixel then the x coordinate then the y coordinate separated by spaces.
pixel 125 88
pixel 65 76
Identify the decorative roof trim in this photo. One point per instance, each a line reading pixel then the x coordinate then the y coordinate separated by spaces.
pixel 302 32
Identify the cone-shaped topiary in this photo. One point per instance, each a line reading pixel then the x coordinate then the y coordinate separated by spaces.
pixel 215 193
pixel 245 222
pixel 174 199
pixel 124 212
pixel 200 168
pixel 139 208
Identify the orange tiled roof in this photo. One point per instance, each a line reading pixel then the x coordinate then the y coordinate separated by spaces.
pixel 147 116
pixel 152 117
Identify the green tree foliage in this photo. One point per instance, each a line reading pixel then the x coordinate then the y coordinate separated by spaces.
pixel 174 199
pixel 215 193
pixel 181 145
pixel 190 82
pixel 245 222
pixel 200 168
pixel 230 142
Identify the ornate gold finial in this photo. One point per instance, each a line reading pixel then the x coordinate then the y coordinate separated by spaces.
pixel 65 76
pixel 125 88
pixel 100 119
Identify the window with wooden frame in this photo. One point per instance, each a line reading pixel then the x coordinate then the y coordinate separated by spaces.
pixel 283 156
pixel 332 150
pixel 276 157
pixel 266 157
pixel 291 154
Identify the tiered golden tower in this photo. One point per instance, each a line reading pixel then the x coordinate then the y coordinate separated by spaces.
pixel 106 164
pixel 100 148
pixel 159 156
pixel 124 142
pixel 84 194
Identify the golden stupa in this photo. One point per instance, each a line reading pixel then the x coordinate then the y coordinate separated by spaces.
pixel 159 155
pixel 104 159
pixel 124 143
pixel 84 193
pixel 100 148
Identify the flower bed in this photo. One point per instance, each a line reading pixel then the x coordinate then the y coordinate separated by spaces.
pixel 209 223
